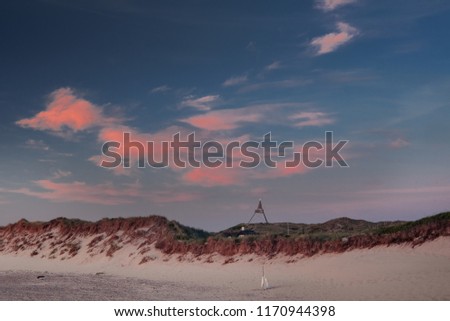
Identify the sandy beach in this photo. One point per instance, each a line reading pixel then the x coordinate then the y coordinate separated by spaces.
pixel 382 273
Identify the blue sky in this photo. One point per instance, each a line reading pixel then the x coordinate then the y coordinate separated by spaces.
pixel 76 73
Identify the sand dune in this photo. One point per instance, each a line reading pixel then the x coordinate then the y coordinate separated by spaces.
pixel 397 272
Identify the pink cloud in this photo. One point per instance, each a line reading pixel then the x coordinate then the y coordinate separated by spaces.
pixel 332 41
pixel 116 134
pixel 160 140
pixel 328 5
pixel 66 112
pixel 208 177
pixel 203 176
pixel 223 176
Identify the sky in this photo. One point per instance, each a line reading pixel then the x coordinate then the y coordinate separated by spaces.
pixel 76 74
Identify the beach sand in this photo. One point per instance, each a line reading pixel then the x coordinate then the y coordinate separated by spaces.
pixel 382 273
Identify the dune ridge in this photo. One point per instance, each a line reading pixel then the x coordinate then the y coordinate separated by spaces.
pixel 154 237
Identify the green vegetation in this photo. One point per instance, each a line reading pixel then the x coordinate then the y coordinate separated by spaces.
pixel 186 233
pixel 70 222
pixel 441 218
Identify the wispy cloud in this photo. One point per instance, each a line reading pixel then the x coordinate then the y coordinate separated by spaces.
pixel 36 144
pixel 419 102
pixel 329 5
pixel 67 113
pixel 228 119
pixel 105 194
pixel 399 143
pixel 277 84
pixel 355 76
pixel 160 89
pixel 225 119
pixel 234 81
pixel 202 103
pixel 304 119
pixel 273 66
pixel 332 41
pixel 285 113
pixel 60 174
